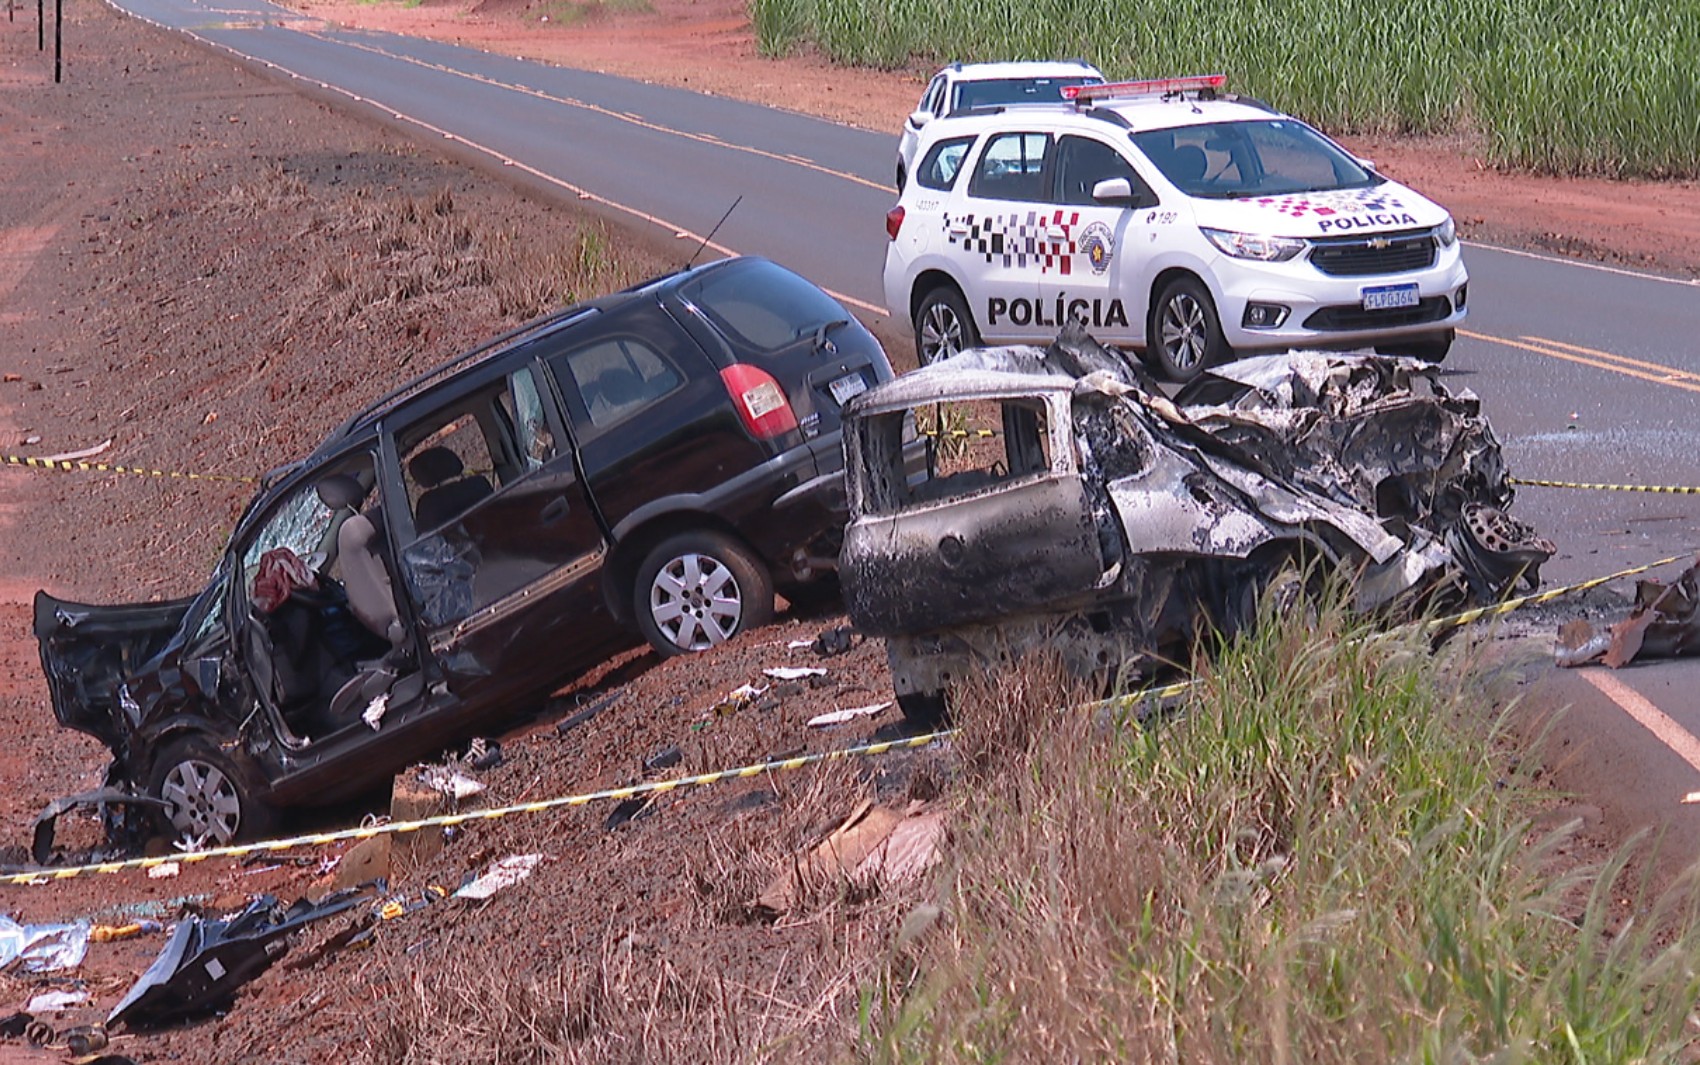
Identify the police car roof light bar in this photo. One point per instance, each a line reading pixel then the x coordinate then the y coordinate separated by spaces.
pixel 1084 94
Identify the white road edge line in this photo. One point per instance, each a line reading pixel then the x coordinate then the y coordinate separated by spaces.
pixel 1641 275
pixel 1680 741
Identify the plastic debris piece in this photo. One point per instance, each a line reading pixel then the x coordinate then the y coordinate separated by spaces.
pixel 12 1025
pixel 482 754
pixel 110 933
pixel 838 717
pixel 836 641
pixel 666 758
pixel 164 871
pixel 373 715
pixel 205 961
pixel 449 781
pixel 793 672
pixel 84 1039
pixel 875 844
pixel 738 698
pixel 54 1001
pixel 42 948
pixel 504 874
pixel 798 645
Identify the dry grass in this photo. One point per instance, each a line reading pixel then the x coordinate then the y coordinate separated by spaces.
pixel 1312 864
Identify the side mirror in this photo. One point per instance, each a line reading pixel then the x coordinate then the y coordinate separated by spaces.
pixel 1367 164
pixel 919 119
pixel 1113 192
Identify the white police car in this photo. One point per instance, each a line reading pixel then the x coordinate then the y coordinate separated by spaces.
pixel 1187 224
pixel 967 86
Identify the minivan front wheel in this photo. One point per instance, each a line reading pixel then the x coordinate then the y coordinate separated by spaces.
pixel 943 326
pixel 1185 336
pixel 211 798
pixel 699 589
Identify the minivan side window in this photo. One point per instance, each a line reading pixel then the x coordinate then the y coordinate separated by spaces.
pixel 618 376
pixel 942 163
pixel 1012 167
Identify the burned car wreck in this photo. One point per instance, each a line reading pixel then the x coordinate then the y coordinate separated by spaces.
pixel 1114 525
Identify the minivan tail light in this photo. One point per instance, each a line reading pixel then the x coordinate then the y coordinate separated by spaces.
pixel 893 222
pixel 761 403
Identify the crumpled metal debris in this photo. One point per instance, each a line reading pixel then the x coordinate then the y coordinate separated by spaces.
pixel 42 948
pixel 1664 623
pixel 126 815
pixel 205 961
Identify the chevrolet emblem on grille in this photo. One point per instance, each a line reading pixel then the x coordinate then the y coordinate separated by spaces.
pixel 1379 243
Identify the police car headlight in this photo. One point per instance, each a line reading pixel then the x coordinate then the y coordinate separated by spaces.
pixel 1254 245
pixel 1446 233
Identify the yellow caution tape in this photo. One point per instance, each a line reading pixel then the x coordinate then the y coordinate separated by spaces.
pixel 1663 489
pixel 958 434
pixel 73 466
pixel 1499 609
pixel 36 877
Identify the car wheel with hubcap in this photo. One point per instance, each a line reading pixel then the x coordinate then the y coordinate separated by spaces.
pixel 1185 336
pixel 211 796
pixel 943 326
pixel 699 589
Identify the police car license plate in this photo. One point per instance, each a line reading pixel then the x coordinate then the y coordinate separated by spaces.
pixel 1381 297
pixel 846 387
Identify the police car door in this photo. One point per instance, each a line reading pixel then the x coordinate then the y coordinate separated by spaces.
pixel 997 235
pixel 1098 262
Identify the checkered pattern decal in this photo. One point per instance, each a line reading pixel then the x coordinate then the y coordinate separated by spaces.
pixel 1323 204
pixel 1019 239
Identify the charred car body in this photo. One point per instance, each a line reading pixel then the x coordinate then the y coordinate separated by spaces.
pixel 652 462
pixel 1110 523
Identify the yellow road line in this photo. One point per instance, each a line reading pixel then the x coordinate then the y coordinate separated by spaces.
pixel 1666 375
pixel 1679 740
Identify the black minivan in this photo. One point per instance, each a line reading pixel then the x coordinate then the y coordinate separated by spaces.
pixel 653 463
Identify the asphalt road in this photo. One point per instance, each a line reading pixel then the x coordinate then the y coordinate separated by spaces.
pixel 1589 374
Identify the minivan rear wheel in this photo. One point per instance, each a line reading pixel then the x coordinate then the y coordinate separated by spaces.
pixel 699 589
pixel 943 326
pixel 211 796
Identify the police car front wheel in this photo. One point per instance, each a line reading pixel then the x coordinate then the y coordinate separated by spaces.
pixel 1185 333
pixel 943 326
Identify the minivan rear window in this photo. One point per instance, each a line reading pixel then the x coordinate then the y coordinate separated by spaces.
pixel 761 304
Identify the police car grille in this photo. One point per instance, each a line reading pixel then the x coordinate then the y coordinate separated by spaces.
pixel 1365 256
pixel 1431 309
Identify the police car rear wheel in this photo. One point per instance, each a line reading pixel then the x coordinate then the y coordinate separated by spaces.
pixel 943 326
pixel 1186 334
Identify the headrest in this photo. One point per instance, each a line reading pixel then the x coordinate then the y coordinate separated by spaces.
pixel 435 466
pixel 341 491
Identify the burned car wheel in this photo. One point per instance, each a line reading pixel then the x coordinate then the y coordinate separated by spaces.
pixel 943 326
pixel 1185 337
pixel 698 590
pixel 211 797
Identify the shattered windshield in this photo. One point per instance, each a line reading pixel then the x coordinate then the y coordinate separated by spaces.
pixel 1238 160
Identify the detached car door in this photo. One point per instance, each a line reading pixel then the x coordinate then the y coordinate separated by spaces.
pixel 499 547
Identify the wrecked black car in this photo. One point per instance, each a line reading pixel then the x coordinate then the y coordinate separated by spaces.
pixel 646 465
pixel 1109 523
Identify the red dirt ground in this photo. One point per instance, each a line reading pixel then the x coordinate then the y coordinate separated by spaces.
pixel 168 226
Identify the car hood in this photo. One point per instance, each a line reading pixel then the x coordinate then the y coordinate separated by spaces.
pixel 88 652
pixel 1387 207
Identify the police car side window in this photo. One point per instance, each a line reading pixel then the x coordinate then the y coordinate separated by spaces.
pixel 1083 162
pixel 942 163
pixel 1013 167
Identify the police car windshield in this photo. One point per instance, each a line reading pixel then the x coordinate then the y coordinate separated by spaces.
pixel 1231 160
pixel 996 92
